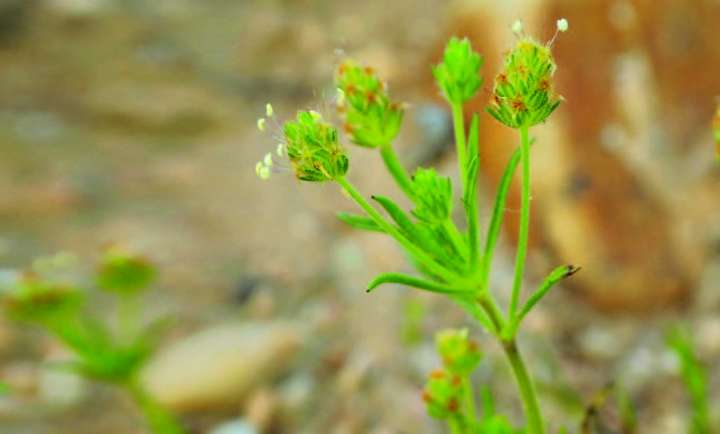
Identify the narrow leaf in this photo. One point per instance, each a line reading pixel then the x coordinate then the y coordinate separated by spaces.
pixel 470 194
pixel 413 282
pixel 498 211
pixel 557 275
pixel 398 215
pixel 359 222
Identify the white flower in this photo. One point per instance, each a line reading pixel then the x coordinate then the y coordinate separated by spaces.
pixel 562 25
pixel 280 150
pixel 268 160
pixel 261 124
pixel 269 110
pixel 517 27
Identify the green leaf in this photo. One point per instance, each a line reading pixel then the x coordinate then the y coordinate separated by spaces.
pixel 554 277
pixel 493 232
pixel 470 194
pixel 359 222
pixel 397 214
pixel 122 272
pixel 414 282
pixel 695 377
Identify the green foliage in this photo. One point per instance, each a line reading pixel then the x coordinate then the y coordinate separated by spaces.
pixel 447 256
pixel 442 394
pixel 459 353
pixel 122 272
pixel 523 94
pixel 102 351
pixel 313 148
pixel 371 118
pixel 433 197
pixel 695 378
pixel 458 75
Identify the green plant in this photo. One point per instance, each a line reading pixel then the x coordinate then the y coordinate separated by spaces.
pixel 695 377
pixel 448 258
pixel 48 297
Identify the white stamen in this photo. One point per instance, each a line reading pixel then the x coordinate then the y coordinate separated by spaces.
pixel 264 173
pixel 261 124
pixel 269 110
pixel 562 25
pixel 268 160
pixel 517 27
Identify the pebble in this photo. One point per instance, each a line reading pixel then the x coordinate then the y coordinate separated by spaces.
pixel 221 365
pixel 237 426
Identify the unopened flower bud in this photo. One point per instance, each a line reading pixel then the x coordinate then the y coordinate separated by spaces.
pixel 459 353
pixel 124 272
pixel 313 148
pixel 433 196
pixel 371 118
pixel 442 394
pixel 458 75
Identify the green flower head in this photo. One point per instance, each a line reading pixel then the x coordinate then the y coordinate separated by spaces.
pixel 371 118
pixel 123 272
pixel 432 196
pixel 442 394
pixel 33 299
pixel 458 75
pixel 459 354
pixel 313 148
pixel 523 93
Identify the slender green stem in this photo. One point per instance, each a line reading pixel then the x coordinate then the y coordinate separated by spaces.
pixel 524 221
pixel 396 169
pixel 129 308
pixel 533 413
pixel 159 420
pixel 470 195
pixel 469 400
pixel 493 311
pixel 454 425
pixel 459 124
pixel 416 253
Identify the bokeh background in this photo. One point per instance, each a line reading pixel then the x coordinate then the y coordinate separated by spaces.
pixel 133 122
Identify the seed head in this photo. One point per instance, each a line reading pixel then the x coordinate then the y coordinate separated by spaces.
pixel 371 118
pixel 313 148
pixel 523 94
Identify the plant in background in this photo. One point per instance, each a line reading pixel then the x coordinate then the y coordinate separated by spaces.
pixel 448 258
pixel 695 377
pixel 47 297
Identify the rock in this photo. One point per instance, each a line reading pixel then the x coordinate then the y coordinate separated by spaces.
pixel 237 426
pixel 220 365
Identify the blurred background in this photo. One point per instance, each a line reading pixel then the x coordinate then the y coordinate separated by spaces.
pixel 133 122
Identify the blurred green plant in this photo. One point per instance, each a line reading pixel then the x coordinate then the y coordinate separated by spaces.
pixel 448 258
pixel 695 378
pixel 47 297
